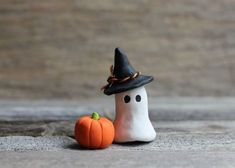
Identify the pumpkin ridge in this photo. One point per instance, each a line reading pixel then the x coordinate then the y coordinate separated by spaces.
pixel 83 127
pixel 89 139
pixel 88 120
pixel 108 122
pixel 80 121
pixel 101 134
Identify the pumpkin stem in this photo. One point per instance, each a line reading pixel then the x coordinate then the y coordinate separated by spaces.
pixel 95 116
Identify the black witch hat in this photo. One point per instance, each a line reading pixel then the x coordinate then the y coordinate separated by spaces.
pixel 123 76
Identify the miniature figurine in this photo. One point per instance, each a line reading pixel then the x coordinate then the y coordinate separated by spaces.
pixel 132 120
pixel 94 132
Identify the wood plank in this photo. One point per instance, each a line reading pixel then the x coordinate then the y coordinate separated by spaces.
pixel 63 49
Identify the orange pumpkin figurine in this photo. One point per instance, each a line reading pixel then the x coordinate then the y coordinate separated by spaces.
pixel 94 132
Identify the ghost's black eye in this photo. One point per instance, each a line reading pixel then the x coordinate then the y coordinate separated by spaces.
pixel 127 99
pixel 138 98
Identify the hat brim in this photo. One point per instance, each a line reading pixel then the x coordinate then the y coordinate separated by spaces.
pixel 131 84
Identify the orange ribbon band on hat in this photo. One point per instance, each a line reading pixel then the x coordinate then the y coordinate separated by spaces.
pixel 112 79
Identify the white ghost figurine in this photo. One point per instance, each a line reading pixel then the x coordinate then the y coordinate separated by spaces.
pixel 132 120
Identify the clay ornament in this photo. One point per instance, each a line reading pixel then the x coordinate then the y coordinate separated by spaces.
pixel 94 132
pixel 132 120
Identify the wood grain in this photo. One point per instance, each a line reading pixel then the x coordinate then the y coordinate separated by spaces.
pixel 63 48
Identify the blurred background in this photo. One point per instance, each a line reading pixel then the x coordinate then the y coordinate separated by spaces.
pixel 62 49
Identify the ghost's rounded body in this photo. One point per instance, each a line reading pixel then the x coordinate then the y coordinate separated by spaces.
pixel 132 120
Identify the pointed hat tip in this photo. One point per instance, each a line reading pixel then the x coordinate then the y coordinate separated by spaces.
pixel 119 51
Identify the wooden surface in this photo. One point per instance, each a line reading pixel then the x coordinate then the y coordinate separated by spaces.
pixel 63 48
pixel 57 118
pixel 160 109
